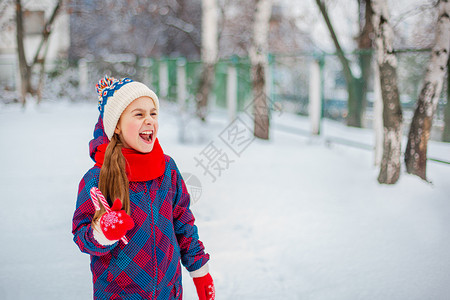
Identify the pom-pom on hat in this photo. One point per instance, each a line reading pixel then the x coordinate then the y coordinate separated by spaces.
pixel 115 95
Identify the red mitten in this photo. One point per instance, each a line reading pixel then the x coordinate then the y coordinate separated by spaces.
pixel 205 287
pixel 116 223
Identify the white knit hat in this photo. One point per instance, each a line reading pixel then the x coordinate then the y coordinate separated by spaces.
pixel 114 97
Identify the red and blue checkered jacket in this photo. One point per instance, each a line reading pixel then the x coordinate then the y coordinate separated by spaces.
pixel 164 233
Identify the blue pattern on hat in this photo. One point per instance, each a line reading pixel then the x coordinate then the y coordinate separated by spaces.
pixel 106 88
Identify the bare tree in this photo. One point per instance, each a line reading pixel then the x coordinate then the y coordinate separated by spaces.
pixel 258 57
pixel 354 113
pixel 209 55
pixel 26 68
pixel 146 28
pixel 285 36
pixel 419 133
pixel 392 112
pixel 365 55
pixel 446 134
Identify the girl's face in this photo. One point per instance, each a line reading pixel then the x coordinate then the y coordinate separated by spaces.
pixel 138 125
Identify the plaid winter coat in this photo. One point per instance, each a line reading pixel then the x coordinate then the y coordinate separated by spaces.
pixel 164 232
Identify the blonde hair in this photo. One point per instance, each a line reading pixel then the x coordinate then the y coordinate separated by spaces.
pixel 113 180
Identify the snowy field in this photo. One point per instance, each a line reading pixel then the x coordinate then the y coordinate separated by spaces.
pixel 291 218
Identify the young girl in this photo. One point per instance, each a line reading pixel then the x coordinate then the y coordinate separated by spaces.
pixel 136 248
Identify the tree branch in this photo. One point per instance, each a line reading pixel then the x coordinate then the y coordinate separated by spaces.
pixel 183 26
pixel 347 71
pixel 413 12
pixel 46 31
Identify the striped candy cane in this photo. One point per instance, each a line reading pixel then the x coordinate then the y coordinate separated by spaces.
pixel 97 197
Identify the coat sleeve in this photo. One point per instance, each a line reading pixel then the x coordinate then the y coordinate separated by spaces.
pixel 193 255
pixel 82 230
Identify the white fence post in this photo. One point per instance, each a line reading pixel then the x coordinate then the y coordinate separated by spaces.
pixel 378 116
pixel 181 83
pixel 83 74
pixel 315 97
pixel 18 78
pixel 146 65
pixel 163 78
pixel 231 91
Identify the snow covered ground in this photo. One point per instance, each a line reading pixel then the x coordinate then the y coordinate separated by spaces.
pixel 291 218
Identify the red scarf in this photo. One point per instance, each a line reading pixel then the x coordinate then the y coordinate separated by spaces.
pixel 139 166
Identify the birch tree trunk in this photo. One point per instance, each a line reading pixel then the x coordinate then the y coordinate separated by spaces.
pixel 392 111
pixel 258 57
pixel 419 132
pixel 209 55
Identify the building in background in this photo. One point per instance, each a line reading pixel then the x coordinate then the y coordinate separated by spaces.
pixel 35 14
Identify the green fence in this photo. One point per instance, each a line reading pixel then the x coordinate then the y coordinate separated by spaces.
pixel 193 71
pixel 289 77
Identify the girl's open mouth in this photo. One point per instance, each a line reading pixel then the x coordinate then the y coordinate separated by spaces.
pixel 147 136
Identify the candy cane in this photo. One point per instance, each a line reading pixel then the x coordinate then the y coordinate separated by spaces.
pixel 94 198
pixel 97 197
pixel 96 194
